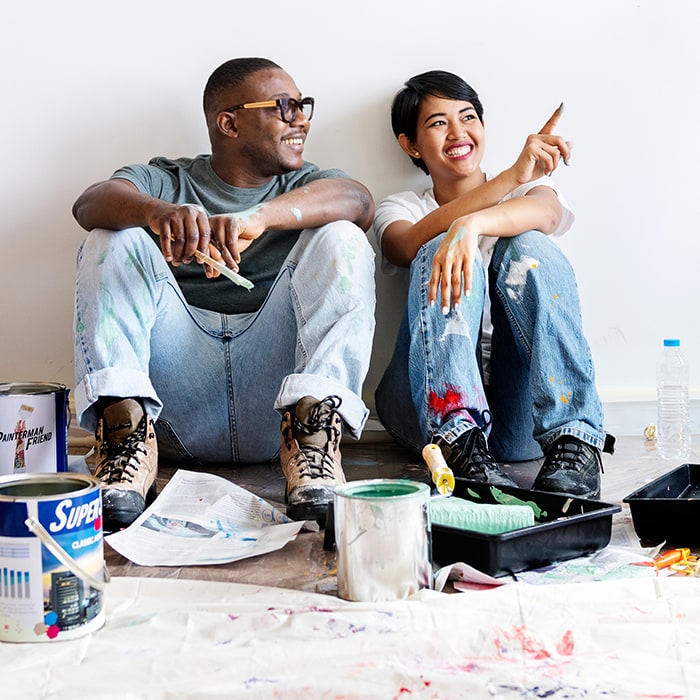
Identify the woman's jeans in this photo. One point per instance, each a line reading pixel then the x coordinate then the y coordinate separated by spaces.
pixel 216 382
pixel 541 381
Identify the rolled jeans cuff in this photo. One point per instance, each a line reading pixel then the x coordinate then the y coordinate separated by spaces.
pixel 113 381
pixel 352 409
pixel 579 430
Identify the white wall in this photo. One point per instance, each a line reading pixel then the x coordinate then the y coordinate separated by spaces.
pixel 89 86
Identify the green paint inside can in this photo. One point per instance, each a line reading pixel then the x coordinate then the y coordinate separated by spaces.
pixel 383 488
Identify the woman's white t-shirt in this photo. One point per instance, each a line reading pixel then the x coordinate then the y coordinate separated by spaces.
pixel 413 206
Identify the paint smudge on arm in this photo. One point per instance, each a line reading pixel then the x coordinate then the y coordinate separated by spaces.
pixel 247 214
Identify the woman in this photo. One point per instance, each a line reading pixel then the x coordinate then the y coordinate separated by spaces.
pixel 479 249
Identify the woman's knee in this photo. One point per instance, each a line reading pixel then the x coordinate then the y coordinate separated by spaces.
pixel 529 257
pixel 533 245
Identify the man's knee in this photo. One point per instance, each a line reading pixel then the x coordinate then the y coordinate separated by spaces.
pixel 344 249
pixel 344 237
pixel 119 252
pixel 101 242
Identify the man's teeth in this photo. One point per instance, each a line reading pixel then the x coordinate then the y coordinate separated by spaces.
pixel 294 141
pixel 457 152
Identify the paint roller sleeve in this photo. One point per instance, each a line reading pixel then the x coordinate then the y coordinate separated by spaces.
pixel 486 518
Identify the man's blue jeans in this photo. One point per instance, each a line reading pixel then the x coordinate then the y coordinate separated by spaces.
pixel 541 383
pixel 216 382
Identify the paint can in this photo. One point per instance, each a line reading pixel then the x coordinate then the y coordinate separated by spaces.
pixel 52 572
pixel 382 537
pixel 34 419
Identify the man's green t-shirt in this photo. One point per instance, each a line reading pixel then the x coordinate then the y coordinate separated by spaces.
pixel 193 181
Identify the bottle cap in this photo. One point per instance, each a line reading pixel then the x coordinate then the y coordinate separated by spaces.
pixel 671 342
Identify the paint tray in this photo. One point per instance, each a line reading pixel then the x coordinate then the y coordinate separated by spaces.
pixel 566 528
pixel 667 509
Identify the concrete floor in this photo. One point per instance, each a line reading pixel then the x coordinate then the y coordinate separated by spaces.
pixel 304 564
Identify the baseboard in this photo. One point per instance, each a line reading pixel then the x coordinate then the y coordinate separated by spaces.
pixel 631 417
pixel 623 417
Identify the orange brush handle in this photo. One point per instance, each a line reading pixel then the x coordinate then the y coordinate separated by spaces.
pixel 673 556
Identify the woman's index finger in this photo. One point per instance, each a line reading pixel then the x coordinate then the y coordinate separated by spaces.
pixel 548 128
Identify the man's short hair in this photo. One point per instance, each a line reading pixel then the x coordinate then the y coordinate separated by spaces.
pixel 232 74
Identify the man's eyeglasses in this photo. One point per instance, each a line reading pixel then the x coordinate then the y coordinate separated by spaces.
pixel 289 107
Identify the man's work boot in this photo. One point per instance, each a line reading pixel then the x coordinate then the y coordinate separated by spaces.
pixel 127 462
pixel 310 456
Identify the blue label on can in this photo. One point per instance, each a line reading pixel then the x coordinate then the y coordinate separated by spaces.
pixel 43 597
pixel 75 522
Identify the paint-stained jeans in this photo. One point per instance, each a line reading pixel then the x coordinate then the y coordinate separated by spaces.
pixel 216 382
pixel 541 381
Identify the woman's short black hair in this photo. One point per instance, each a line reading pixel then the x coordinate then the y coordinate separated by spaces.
pixel 407 102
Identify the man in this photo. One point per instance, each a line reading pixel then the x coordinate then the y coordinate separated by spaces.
pixel 172 357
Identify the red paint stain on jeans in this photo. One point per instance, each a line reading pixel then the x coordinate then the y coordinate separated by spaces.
pixel 452 400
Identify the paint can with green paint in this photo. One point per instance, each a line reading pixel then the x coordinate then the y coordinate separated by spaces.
pixel 34 418
pixel 382 536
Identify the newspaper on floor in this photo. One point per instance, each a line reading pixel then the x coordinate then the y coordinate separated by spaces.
pixel 200 519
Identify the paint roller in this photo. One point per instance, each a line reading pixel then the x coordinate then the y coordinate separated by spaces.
pixel 487 518
pixel 442 475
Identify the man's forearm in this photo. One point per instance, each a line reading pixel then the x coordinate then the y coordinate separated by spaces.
pixel 318 203
pixel 112 205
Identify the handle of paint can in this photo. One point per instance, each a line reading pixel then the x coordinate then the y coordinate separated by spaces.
pixel 50 543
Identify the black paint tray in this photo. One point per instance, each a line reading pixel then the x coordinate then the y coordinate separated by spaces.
pixel 567 528
pixel 668 508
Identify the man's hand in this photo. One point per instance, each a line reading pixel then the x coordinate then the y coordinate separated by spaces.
pixel 233 233
pixel 182 229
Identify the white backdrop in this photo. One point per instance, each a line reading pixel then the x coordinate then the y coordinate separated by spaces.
pixel 89 86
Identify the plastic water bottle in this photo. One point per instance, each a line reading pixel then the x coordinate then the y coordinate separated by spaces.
pixel 673 429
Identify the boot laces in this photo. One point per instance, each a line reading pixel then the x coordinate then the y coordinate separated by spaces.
pixel 320 417
pixel 314 461
pixel 124 458
pixel 568 455
pixel 471 451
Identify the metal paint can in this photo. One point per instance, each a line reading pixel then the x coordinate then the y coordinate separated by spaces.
pixel 383 539
pixel 52 573
pixel 34 419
